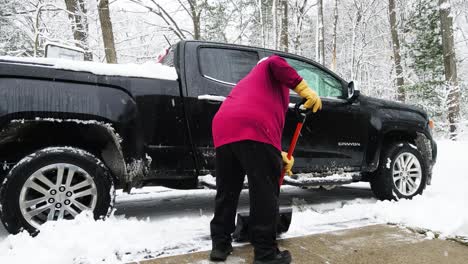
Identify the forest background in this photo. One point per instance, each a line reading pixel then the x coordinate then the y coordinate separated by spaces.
pixel 412 51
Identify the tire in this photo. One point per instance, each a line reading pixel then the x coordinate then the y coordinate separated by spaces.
pixel 33 193
pixel 402 173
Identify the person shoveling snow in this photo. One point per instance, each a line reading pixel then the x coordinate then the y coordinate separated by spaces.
pixel 247 134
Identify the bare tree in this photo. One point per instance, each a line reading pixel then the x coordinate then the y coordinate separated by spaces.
pixel 299 12
pixel 284 40
pixel 356 22
pixel 77 14
pixel 274 16
pixel 194 10
pixel 107 32
pixel 335 25
pixel 320 39
pixel 262 22
pixel 450 66
pixel 164 15
pixel 396 51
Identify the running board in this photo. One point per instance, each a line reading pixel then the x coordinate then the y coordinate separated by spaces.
pixel 209 181
pixel 308 179
pixel 301 180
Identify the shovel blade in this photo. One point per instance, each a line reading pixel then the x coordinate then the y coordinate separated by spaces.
pixel 241 233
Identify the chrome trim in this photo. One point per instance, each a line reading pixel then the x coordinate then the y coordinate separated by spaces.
pixel 209 97
pixel 216 80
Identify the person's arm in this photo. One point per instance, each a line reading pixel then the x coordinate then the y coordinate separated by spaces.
pixel 283 72
pixel 288 76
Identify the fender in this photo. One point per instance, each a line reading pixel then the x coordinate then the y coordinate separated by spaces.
pixel 390 124
pixel 46 100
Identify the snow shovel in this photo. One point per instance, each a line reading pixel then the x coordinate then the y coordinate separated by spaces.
pixel 241 233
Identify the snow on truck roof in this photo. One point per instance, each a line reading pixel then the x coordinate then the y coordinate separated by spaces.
pixel 151 70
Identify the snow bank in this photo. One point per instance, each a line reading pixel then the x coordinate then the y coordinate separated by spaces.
pixel 116 240
pixel 442 207
pixel 146 70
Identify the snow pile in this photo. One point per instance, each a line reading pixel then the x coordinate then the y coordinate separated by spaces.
pixel 116 240
pixel 442 207
pixel 146 70
pixel 309 179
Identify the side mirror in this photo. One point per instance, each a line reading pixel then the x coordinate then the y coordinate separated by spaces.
pixel 352 92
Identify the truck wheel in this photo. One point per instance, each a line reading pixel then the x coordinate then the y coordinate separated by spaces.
pixel 53 184
pixel 402 173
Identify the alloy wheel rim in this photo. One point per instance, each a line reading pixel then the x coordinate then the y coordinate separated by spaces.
pixel 57 191
pixel 407 173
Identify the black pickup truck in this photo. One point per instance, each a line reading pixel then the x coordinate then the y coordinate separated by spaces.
pixel 70 135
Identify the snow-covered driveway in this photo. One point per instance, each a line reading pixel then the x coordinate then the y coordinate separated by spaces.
pixel 154 222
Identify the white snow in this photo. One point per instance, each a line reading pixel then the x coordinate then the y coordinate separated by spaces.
pixel 146 70
pixel 441 209
pixel 413 146
pixel 389 162
pixel 445 5
pixel 307 178
pixel 6 166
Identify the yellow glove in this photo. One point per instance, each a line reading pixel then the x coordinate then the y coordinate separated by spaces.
pixel 313 100
pixel 288 163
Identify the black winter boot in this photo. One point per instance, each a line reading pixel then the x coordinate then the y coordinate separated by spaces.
pixel 220 252
pixel 282 257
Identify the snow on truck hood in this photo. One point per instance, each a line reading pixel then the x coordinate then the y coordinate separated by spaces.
pixel 151 70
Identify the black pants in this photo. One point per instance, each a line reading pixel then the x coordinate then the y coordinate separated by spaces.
pixel 262 164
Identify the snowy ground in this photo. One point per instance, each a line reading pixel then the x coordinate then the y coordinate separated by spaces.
pixel 153 222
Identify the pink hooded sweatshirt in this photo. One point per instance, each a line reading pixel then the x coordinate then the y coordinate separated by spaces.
pixel 256 107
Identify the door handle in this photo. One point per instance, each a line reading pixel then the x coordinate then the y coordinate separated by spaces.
pixel 212 99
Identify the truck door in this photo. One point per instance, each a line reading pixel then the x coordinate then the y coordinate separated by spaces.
pixel 211 71
pixel 163 126
pixel 334 138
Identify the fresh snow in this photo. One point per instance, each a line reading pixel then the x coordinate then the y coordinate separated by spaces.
pixel 308 178
pixel 444 6
pixel 119 239
pixel 146 70
pixel 389 162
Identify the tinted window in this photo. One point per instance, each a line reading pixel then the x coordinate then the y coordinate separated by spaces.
pixel 226 65
pixel 322 82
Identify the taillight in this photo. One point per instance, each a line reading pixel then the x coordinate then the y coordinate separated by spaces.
pixel 431 124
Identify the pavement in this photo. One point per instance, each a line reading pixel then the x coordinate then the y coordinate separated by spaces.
pixel 371 244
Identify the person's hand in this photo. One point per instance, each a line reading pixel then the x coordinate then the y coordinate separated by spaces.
pixel 313 101
pixel 287 163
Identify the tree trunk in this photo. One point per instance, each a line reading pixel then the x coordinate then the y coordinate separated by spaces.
pixel 450 66
pixel 77 16
pixel 195 19
pixel 284 26
pixel 107 32
pixel 274 24
pixel 320 47
pixel 262 22
pixel 357 20
pixel 396 51
pixel 335 24
pixel 299 22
